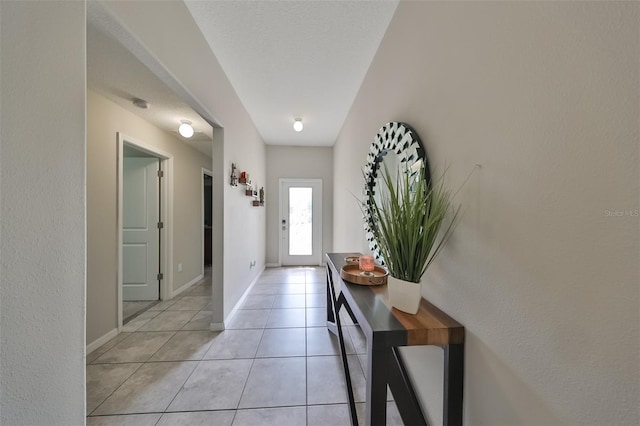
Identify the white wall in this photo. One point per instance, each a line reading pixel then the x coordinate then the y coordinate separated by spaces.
pixel 42 312
pixel 182 58
pixel 544 96
pixel 297 163
pixel 104 120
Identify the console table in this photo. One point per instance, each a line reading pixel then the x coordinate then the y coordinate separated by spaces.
pixel 386 329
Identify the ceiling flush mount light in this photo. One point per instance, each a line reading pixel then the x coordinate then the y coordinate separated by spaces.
pixel 297 125
pixel 185 129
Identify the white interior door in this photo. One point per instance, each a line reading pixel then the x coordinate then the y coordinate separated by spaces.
pixel 140 231
pixel 301 222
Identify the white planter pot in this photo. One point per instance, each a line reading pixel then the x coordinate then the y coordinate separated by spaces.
pixel 404 295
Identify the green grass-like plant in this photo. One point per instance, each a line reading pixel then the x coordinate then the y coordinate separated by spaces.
pixel 407 219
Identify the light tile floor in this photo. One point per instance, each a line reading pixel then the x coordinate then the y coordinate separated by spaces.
pixel 131 309
pixel 275 364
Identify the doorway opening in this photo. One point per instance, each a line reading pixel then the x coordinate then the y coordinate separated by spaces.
pixel 300 222
pixel 141 221
pixel 207 220
pixel 144 223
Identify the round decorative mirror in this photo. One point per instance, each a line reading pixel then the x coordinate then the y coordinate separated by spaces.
pixel 399 148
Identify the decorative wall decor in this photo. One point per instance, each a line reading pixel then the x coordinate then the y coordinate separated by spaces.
pixel 242 178
pixel 234 175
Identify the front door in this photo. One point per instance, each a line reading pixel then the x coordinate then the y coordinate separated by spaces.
pixel 140 230
pixel 301 222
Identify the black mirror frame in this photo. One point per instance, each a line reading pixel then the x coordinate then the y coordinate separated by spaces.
pixel 401 139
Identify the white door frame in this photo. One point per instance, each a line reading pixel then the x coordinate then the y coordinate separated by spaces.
pixel 208 173
pixel 282 213
pixel 166 213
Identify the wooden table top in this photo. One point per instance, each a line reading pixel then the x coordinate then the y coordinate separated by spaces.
pixel 430 326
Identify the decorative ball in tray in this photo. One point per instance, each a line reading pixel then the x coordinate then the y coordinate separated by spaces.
pixel 353 274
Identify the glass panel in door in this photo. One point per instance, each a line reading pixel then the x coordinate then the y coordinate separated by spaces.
pixel 301 222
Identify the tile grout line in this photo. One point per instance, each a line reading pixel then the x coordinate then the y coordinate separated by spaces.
pixel 307 298
pixel 117 387
pixel 306 359
pixel 190 374
pixel 253 360
pixel 147 361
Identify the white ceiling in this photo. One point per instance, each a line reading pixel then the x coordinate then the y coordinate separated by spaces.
pixel 116 73
pixel 289 59
pixel 285 59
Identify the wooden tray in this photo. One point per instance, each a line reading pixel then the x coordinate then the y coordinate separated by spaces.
pixel 352 274
pixel 351 260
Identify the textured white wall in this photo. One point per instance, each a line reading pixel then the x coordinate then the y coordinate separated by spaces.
pixel 298 163
pixel 544 95
pixel 42 297
pixel 183 53
pixel 104 120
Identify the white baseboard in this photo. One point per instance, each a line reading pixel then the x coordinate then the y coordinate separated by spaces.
pixel 101 340
pixel 216 326
pixel 242 298
pixel 186 286
pixel 277 265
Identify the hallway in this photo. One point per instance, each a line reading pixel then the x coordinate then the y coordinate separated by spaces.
pixel 275 364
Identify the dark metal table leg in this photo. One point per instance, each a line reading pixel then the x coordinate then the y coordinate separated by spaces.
pixel 351 314
pixel 453 384
pixel 332 312
pixel 403 392
pixel 333 309
pixel 345 364
pixel 377 363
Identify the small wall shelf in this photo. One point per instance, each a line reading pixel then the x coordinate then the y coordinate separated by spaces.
pixel 243 179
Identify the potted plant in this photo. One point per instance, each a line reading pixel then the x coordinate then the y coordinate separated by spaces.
pixel 406 220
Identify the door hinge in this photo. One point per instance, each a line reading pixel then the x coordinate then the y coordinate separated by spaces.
pixel 160 276
pixel 160 173
pixel 160 225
